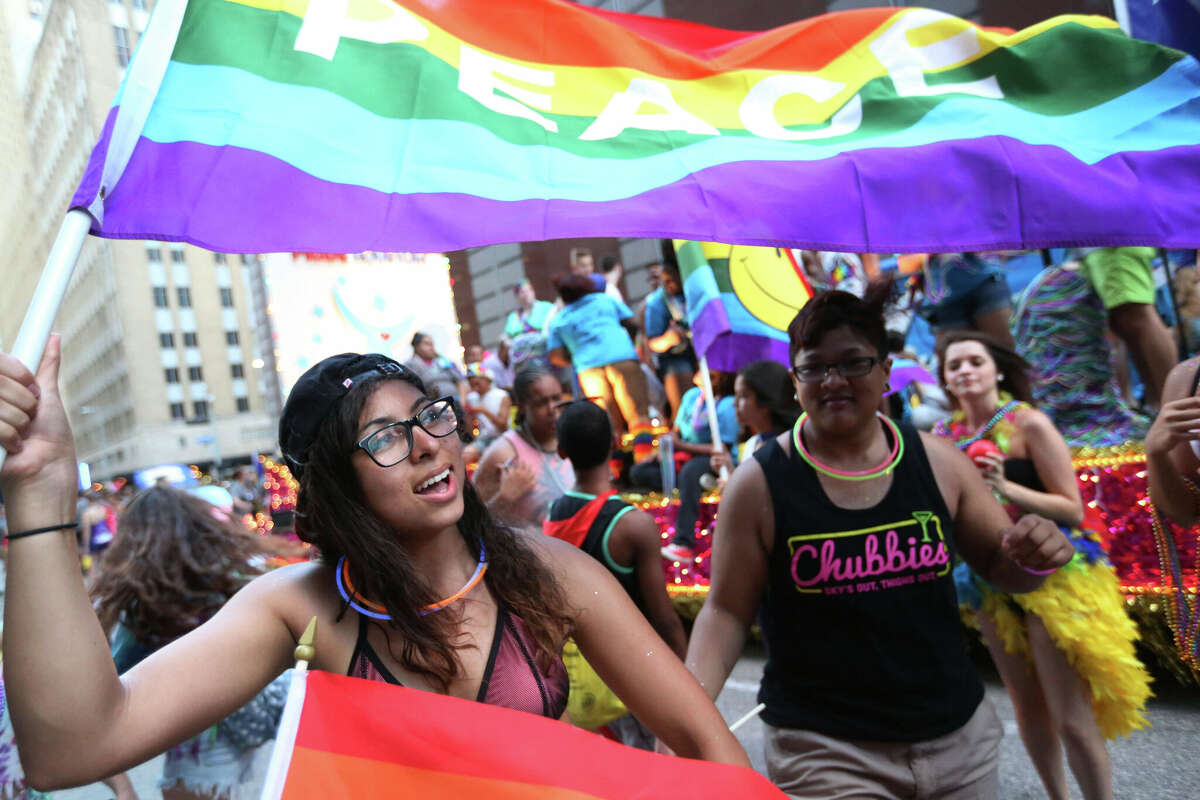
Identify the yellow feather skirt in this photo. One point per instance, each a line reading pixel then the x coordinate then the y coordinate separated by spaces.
pixel 1082 608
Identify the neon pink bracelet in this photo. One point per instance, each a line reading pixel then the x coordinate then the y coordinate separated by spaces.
pixel 1042 572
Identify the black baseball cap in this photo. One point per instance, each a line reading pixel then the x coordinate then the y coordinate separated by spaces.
pixel 316 394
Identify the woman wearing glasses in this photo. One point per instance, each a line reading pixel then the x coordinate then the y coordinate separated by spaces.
pixel 417 585
pixel 1065 651
pixel 842 533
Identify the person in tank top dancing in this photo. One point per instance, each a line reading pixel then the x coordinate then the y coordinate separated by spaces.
pixel 1065 651
pixel 417 584
pixel 843 532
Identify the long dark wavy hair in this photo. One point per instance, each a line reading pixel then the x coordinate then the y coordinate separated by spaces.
pixel 1009 363
pixel 172 564
pixel 771 384
pixel 336 518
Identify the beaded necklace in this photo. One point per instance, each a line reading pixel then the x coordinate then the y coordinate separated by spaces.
pixel 885 468
pixel 376 611
pixel 967 441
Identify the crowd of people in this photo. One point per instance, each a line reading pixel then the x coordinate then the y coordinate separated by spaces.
pixel 470 538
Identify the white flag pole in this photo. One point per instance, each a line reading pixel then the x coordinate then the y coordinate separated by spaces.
pixel 134 98
pixel 289 721
pixel 710 405
pixel 51 288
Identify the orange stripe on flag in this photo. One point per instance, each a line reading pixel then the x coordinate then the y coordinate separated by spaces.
pixel 455 739
pixel 331 776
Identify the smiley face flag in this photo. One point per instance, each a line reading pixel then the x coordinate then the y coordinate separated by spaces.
pixel 740 300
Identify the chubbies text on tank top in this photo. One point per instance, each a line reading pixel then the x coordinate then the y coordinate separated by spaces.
pixel 871 559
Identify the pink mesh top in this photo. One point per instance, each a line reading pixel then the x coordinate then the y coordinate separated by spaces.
pixel 511 678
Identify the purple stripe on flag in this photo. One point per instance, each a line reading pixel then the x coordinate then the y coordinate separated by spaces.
pixel 89 186
pixel 977 194
pixel 731 352
pixel 711 323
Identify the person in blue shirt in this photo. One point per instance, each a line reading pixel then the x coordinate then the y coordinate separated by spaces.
pixel 592 334
pixel 691 435
pixel 668 335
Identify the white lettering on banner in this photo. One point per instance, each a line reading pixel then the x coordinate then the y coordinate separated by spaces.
pixel 325 24
pixel 906 65
pixel 757 111
pixel 478 76
pixel 622 112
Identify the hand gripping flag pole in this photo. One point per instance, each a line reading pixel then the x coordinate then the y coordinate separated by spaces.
pixel 289 721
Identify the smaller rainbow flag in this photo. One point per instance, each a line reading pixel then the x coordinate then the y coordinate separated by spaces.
pixel 349 738
pixel 740 300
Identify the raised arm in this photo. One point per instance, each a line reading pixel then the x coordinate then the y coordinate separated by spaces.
pixel 745 526
pixel 76 720
pixel 1013 558
pixel 1170 461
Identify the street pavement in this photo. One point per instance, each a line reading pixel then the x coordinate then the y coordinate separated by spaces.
pixel 1162 763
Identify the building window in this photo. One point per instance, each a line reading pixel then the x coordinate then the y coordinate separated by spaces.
pixel 160 297
pixel 189 339
pixel 177 411
pixel 139 5
pixel 231 338
pixel 185 297
pixel 195 373
pixel 172 374
pixel 177 256
pixel 153 254
pixel 237 370
pixel 220 258
pixel 243 404
pixel 166 340
pixel 200 409
pixel 247 260
pixel 227 298
pixel 121 37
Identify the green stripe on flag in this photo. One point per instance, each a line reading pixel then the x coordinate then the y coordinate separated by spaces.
pixel 402 81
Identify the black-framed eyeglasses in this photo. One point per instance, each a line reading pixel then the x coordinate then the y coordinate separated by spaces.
pixel 393 443
pixel 850 368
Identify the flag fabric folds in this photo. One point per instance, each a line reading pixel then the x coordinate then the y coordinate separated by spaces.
pixel 740 300
pixel 350 738
pixel 352 125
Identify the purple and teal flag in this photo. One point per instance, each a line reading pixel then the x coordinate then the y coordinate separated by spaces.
pixel 434 125
pixel 740 300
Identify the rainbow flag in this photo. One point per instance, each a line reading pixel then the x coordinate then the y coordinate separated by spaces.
pixel 349 738
pixel 414 125
pixel 740 300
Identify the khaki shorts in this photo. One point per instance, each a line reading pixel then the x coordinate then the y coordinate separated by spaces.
pixel 958 766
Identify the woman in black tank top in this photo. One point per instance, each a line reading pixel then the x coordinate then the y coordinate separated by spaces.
pixel 1071 685
pixel 842 533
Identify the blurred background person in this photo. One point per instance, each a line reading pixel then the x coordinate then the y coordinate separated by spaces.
pixel 439 374
pixel 965 291
pixel 592 333
pixel 625 540
pixel 692 442
pixel 530 315
pixel 612 269
pixel 488 407
pixel 1123 278
pixel 669 336
pixel 176 561
pixel 521 472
